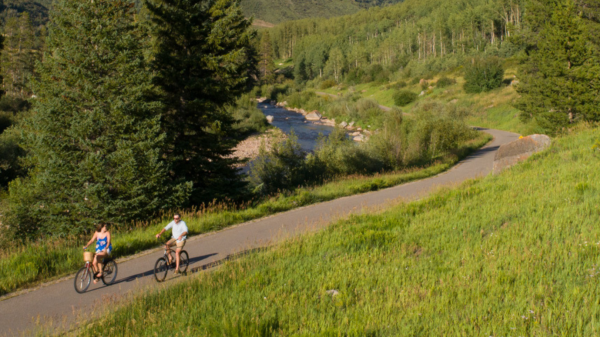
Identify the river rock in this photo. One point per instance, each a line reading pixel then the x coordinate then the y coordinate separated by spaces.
pixel 351 124
pixel 270 119
pixel 519 150
pixel 343 124
pixel 261 99
pixel 358 129
pixel 313 116
pixel 359 138
pixel 354 134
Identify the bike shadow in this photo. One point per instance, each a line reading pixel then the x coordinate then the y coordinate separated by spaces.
pixel 151 271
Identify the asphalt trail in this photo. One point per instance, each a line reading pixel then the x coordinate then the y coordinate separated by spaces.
pixel 59 304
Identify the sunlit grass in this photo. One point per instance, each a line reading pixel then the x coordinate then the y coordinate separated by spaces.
pixel 27 265
pixel 516 254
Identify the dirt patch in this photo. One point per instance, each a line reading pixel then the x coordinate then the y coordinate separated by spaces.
pixel 249 147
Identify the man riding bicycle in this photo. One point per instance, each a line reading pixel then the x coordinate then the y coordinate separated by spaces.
pixel 179 233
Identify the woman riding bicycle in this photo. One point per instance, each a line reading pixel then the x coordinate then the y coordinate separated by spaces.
pixel 103 247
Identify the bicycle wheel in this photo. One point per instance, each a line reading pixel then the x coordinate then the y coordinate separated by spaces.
pixel 184 261
pixel 109 272
pixel 82 280
pixel 160 269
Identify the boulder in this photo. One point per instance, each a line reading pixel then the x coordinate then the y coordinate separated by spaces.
pixel 354 134
pixel 519 150
pixel 359 138
pixel 270 119
pixel 313 116
pixel 351 124
pixel 358 129
pixel 302 111
pixel 343 124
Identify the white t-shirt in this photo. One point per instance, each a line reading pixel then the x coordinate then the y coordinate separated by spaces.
pixel 178 229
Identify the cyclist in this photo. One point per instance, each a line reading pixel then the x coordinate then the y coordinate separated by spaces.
pixel 103 247
pixel 179 233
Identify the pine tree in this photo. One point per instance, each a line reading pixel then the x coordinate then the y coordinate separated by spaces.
pixel 266 66
pixel 94 140
pixel 559 79
pixel 203 59
pixel 19 55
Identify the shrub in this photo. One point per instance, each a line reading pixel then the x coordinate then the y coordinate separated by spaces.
pixel 327 84
pixel 401 85
pixel 248 118
pixel 483 75
pixel 445 82
pixel 404 97
pixel 415 80
pixel 282 168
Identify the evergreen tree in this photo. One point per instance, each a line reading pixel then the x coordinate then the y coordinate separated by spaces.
pixel 94 140
pixel 559 79
pixel 266 66
pixel 18 57
pixel 203 59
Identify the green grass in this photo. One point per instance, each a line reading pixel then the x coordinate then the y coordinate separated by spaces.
pixel 493 109
pixel 516 254
pixel 38 262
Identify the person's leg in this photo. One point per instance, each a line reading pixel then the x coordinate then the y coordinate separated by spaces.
pixel 168 246
pixel 177 251
pixel 99 257
pixel 95 264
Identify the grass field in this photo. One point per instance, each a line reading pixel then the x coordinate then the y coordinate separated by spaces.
pixel 493 109
pixel 37 262
pixel 515 254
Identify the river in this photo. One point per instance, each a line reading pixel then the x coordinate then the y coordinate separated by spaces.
pixel 287 121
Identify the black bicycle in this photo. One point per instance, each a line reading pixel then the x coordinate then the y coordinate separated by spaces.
pixel 162 265
pixel 84 276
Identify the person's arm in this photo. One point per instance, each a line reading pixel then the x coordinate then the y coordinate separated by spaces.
pixel 164 229
pixel 182 235
pixel 92 240
pixel 107 241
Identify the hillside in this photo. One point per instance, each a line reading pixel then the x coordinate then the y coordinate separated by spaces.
pixel 513 254
pixel 276 11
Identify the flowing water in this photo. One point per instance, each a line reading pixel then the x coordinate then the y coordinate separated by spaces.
pixel 289 121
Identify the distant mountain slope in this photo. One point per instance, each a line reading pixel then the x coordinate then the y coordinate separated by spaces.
pixel 275 11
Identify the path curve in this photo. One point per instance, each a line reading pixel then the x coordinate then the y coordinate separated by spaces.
pixel 59 302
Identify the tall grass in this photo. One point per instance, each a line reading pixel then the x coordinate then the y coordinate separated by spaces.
pixel 27 265
pixel 510 255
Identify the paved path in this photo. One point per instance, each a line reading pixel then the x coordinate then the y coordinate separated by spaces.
pixel 59 302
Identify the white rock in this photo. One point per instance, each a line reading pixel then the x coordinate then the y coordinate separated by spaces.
pixel 333 292
pixel 270 119
pixel 314 116
pixel 343 124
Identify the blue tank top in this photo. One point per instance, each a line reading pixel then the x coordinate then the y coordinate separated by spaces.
pixel 101 244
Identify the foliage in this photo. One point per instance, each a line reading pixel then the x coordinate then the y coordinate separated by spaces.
pixel 202 59
pixel 483 75
pixel 559 77
pixel 327 84
pixel 93 145
pixel 281 168
pixel 444 82
pixel 404 97
pixel 266 67
pixel 248 118
pixel 19 55
pixel 276 11
pixel 417 37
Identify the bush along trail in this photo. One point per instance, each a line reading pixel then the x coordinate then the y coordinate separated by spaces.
pixel 58 300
